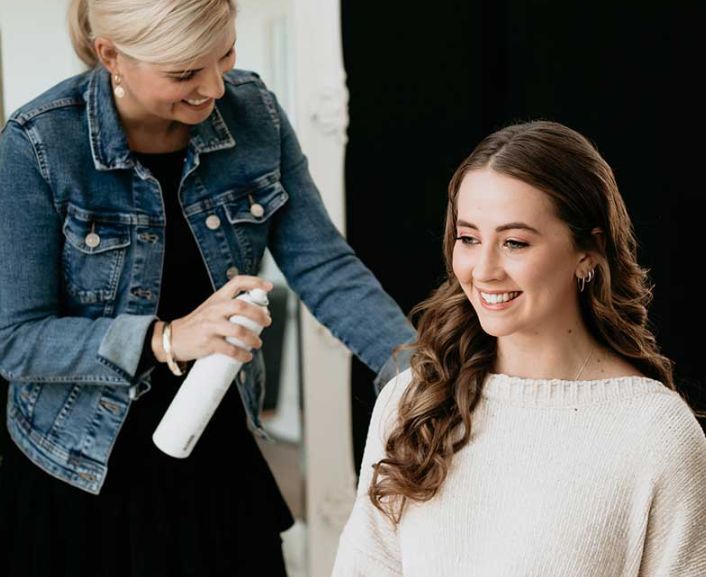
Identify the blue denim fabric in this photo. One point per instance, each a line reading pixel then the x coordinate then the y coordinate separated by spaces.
pixel 74 312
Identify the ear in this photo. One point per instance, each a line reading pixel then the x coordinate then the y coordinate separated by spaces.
pixel 599 238
pixel 585 264
pixel 589 259
pixel 107 54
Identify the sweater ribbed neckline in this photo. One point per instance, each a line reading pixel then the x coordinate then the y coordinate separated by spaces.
pixel 566 393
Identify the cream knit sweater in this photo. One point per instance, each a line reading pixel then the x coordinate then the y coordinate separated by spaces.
pixel 561 479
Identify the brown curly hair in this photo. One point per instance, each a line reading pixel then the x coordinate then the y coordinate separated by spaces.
pixel 453 355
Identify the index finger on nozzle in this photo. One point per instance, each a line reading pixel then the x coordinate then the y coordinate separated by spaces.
pixel 242 283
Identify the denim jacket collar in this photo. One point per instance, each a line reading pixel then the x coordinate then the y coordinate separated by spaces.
pixel 109 145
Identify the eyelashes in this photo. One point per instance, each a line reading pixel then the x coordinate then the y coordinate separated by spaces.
pixel 184 77
pixel 189 74
pixel 508 243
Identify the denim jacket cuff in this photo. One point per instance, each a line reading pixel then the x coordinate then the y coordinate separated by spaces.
pixel 122 346
pixel 397 363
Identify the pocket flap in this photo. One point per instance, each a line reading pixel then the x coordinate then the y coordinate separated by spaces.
pixel 256 206
pixel 93 233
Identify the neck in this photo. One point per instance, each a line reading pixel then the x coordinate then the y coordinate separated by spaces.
pixel 150 134
pixel 568 354
pixel 157 138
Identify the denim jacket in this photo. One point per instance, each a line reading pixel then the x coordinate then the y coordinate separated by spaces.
pixel 81 251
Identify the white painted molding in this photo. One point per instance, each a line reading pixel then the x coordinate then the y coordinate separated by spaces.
pixel 313 91
pixel 328 111
pixel 322 99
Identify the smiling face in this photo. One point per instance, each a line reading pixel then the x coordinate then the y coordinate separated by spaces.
pixel 171 94
pixel 513 257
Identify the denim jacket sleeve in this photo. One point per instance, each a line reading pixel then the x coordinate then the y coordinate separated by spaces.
pixel 327 275
pixel 37 344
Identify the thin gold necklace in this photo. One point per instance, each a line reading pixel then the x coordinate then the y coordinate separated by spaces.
pixel 583 366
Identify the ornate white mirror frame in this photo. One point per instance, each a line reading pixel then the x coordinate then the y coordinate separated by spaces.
pixel 322 120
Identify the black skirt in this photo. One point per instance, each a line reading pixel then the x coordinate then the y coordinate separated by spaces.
pixel 218 512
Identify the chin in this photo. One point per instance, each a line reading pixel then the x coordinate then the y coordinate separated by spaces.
pixel 496 329
pixel 193 117
pixel 191 121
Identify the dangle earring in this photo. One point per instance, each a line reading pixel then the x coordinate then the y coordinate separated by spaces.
pixel 118 90
pixel 583 281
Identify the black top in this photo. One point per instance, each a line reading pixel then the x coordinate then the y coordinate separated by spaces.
pixel 218 512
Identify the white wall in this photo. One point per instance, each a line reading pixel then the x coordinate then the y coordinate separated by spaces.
pixel 264 45
pixel 36 51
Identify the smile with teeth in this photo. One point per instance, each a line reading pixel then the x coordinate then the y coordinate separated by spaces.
pixel 496 298
pixel 196 101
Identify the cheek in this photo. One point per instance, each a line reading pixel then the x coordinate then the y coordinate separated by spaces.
pixel 229 64
pixel 166 92
pixel 529 275
pixel 173 95
pixel 550 278
pixel 463 263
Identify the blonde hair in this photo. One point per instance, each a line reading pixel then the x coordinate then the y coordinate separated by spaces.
pixel 168 32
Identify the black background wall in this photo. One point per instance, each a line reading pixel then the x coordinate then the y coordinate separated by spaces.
pixel 428 80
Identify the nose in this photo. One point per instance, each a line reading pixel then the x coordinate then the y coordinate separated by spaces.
pixel 212 85
pixel 488 267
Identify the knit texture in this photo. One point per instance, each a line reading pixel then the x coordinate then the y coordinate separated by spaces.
pixel 561 479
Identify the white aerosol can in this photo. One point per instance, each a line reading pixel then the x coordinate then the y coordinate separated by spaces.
pixel 202 391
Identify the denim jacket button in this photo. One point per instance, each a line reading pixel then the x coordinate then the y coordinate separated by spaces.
pixel 213 222
pixel 232 272
pixel 256 210
pixel 92 240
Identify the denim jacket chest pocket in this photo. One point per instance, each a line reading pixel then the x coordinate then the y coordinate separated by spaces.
pixel 93 259
pixel 242 219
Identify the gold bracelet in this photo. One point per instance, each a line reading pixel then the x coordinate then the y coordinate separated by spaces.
pixel 167 346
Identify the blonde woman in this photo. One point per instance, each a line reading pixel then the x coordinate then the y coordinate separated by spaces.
pixel 137 200
pixel 538 431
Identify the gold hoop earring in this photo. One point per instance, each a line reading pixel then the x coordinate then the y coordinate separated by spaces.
pixel 118 90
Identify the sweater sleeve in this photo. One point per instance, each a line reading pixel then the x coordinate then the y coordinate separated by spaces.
pixel 369 545
pixel 675 541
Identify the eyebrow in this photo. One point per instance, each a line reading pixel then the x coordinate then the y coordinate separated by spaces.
pixel 502 227
pixel 194 70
